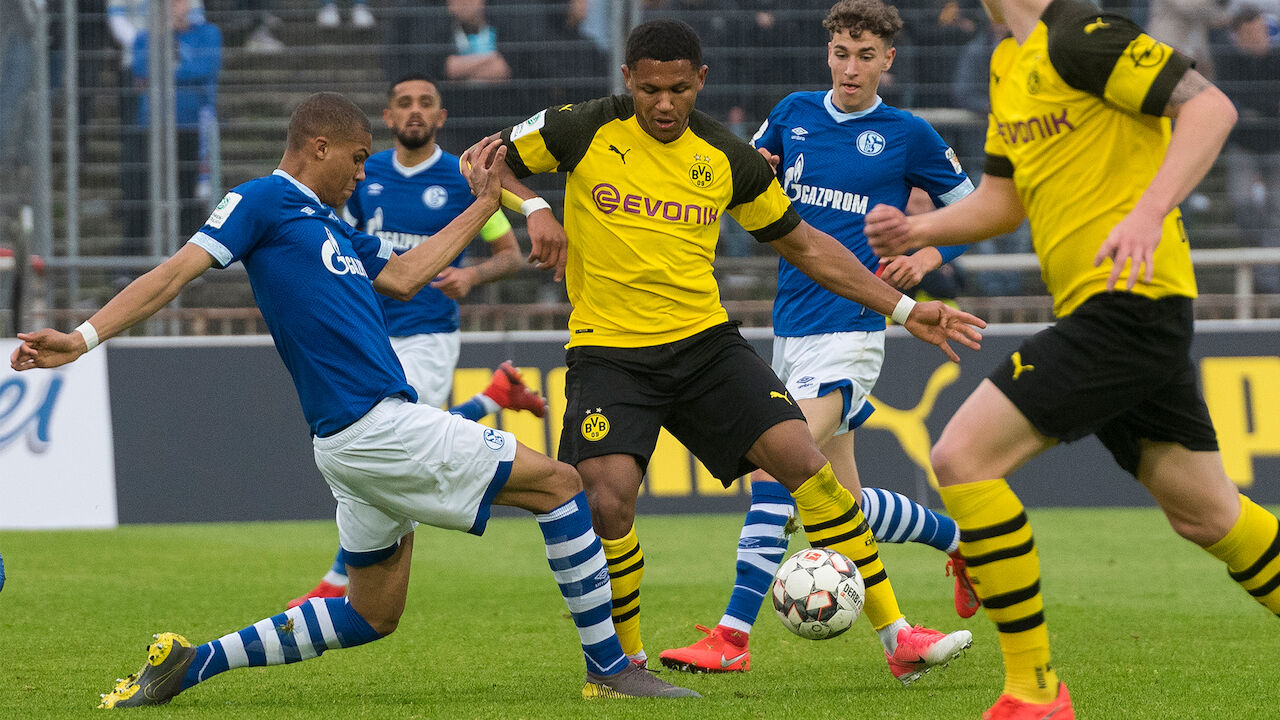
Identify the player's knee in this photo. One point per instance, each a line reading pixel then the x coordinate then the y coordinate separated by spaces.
pixel 948 465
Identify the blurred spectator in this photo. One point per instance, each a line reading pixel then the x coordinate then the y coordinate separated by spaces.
pixel 969 90
pixel 126 19
pixel 475 53
pixel 1186 25
pixel 16 60
pixel 937 44
pixel 361 17
pixel 198 59
pixel 1249 73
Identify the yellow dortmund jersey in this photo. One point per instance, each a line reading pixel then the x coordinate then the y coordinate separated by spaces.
pixel 643 216
pixel 1075 121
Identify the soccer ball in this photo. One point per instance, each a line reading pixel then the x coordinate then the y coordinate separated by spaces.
pixel 818 593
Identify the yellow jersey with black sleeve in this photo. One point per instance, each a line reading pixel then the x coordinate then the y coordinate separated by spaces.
pixel 643 216
pixel 1076 123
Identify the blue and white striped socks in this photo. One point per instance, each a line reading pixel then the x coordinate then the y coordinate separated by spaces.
pixel 577 560
pixel 892 517
pixel 299 633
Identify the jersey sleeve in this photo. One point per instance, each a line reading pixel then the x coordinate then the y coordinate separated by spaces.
pixel 934 167
pixel 1109 56
pixel 769 136
pixel 372 251
pixel 495 227
pixel 556 139
pixel 240 221
pixel 758 202
pixel 352 212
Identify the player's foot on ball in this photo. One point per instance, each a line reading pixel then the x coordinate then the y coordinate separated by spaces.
pixel 921 649
pixel 507 388
pixel 1009 707
pixel 323 590
pixel 160 677
pixel 722 650
pixel 967 601
pixel 633 681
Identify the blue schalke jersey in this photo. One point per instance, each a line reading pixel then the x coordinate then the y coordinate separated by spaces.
pixel 405 206
pixel 311 276
pixel 835 166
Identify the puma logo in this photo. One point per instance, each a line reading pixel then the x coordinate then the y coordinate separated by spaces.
pixel 1018 367
pixel 621 153
pixel 776 394
pixel 908 426
pixel 1095 25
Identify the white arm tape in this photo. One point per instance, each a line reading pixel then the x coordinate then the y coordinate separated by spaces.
pixel 89 334
pixel 532 205
pixel 902 310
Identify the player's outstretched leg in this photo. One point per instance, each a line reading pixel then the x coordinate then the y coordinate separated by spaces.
pixel 332 585
pixel 299 633
pixel 761 547
pixel 833 520
pixel 508 390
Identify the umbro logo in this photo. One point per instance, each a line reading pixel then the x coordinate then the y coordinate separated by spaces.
pixel 308 211
pixel 798 133
pixel 621 153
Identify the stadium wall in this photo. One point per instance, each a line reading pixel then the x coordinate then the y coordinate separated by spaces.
pixel 209 429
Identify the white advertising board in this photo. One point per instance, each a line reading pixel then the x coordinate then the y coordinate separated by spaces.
pixel 57 463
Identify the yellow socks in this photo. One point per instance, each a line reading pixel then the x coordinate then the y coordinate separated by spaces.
pixel 832 519
pixel 1251 551
pixel 626 570
pixel 996 541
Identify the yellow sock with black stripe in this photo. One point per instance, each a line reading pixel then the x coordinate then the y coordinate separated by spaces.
pixel 1000 552
pixel 832 519
pixel 626 570
pixel 1251 550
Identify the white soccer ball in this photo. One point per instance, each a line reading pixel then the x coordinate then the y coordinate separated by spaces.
pixel 818 593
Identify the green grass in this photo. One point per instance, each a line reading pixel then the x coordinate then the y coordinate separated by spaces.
pixel 1144 625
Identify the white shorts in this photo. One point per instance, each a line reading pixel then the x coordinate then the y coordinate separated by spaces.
pixel 816 365
pixel 403 464
pixel 428 361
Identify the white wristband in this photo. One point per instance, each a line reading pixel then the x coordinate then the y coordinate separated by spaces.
pixel 89 334
pixel 532 205
pixel 902 310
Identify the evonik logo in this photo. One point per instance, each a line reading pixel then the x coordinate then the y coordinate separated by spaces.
pixel 33 420
pixel 609 200
pixel 337 263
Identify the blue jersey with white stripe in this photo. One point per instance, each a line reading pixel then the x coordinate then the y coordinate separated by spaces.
pixel 835 166
pixel 405 206
pixel 311 276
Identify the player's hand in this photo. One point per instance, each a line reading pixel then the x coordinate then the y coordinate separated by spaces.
pixel 906 271
pixel 936 322
pixel 455 282
pixel 1131 243
pixel 486 162
pixel 46 349
pixel 773 159
pixel 549 244
pixel 888 230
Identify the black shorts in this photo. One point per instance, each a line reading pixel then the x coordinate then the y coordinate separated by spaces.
pixel 710 390
pixel 1119 367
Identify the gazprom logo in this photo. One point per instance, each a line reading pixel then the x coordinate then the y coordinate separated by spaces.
pixel 30 417
pixel 337 263
pixel 609 199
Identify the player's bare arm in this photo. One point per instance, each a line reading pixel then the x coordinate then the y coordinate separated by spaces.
pixel 832 266
pixel 992 209
pixel 136 302
pixel 457 282
pixel 406 274
pixel 1204 117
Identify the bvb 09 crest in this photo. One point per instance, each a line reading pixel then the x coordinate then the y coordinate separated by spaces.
pixel 700 172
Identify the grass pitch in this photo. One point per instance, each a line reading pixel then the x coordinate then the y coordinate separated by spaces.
pixel 1144 625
